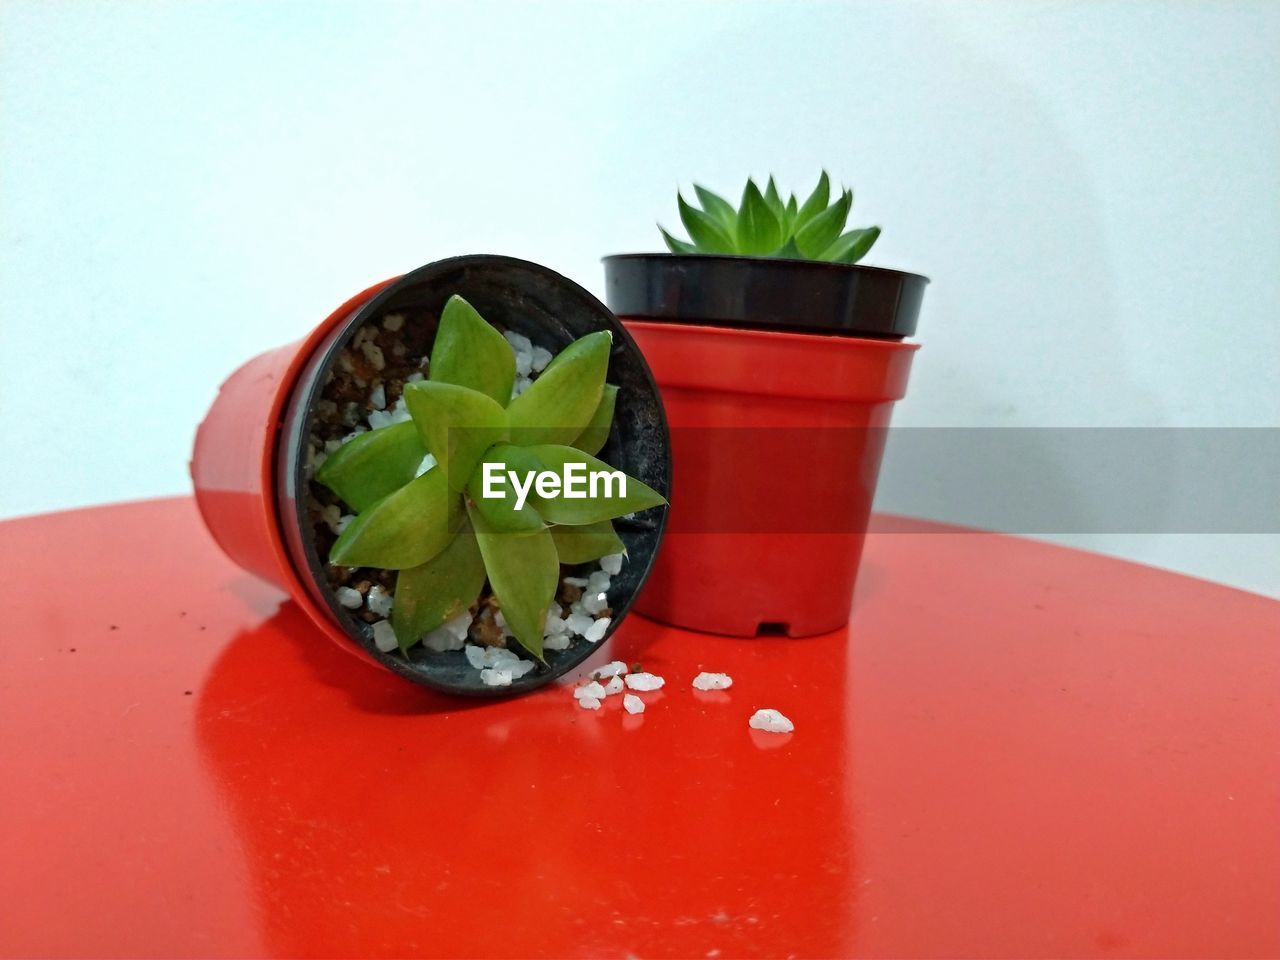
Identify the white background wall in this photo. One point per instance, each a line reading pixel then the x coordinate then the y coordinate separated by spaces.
pixel 1093 188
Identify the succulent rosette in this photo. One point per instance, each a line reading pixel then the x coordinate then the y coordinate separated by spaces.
pixel 419 492
pixel 765 225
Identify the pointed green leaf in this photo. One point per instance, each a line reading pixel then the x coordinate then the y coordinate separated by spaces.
pixel 590 541
pixel 435 592
pixel 718 207
pixel 456 424
pixel 469 352
pixel 816 203
pixel 774 199
pixel 560 403
pixel 852 246
pixel 608 500
pixel 368 467
pixel 404 528
pixel 500 511
pixel 820 232
pixel 594 437
pixel 677 246
pixel 704 230
pixel 524 572
pixel 789 214
pixel 759 231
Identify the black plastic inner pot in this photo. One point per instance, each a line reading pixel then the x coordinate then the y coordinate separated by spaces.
pixel 552 311
pixel 766 293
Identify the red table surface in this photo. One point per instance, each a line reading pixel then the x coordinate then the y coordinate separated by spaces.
pixel 1014 750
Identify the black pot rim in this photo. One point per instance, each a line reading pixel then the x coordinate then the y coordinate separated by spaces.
pixel 765 293
pixel 745 258
pixel 291 482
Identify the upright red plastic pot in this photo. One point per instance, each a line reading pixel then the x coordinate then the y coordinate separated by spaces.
pixel 779 378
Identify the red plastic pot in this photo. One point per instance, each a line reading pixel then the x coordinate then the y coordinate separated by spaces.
pixel 247 463
pixel 233 465
pixel 777 435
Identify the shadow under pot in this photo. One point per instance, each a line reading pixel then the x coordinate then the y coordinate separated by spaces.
pixel 283 415
pixel 779 378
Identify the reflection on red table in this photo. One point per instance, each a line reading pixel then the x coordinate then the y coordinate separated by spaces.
pixel 1015 750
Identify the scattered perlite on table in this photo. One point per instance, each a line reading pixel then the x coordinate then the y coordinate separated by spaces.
pixel 591 694
pixel 614 677
pixel 712 681
pixel 771 721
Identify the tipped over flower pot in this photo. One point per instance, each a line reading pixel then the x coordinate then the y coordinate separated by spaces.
pixel 779 360
pixel 420 474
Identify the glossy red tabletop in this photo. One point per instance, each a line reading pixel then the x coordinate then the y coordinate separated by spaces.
pixel 1015 750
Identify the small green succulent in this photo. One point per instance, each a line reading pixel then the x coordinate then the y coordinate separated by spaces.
pixel 437 528
pixel 765 226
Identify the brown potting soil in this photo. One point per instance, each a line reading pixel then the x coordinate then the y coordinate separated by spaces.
pixel 385 354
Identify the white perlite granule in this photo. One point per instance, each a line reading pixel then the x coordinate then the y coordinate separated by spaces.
pixel 614 685
pixel 524 351
pixel 384 638
pixel 519 342
pixel 557 642
pixel 644 681
pixel 385 418
pixel 712 681
pixel 451 636
pixel 373 353
pixel 589 703
pixel 583 618
pixel 349 598
pixel 592 689
pixel 614 668
pixel 332 516
pixel 393 321
pixel 519 668
pixel 611 564
pixel 593 603
pixel 379 601
pixel 555 625
pixel 632 704
pixel 578 623
pixel 771 721
pixel 341 525
pixel 495 664
pixel 495 677
pixel 378 396
pixel 481 657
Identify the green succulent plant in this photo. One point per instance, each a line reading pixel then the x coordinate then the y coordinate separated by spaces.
pixel 437 529
pixel 764 225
